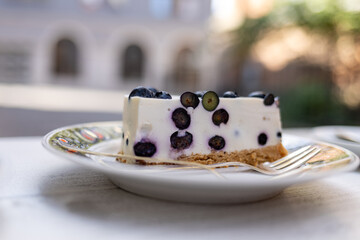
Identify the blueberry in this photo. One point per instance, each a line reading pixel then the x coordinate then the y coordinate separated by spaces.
pixel 181 142
pixel 210 101
pixel 220 116
pixel 262 139
pixel 230 94
pixel 258 94
pixel 269 99
pixel 200 93
pixel 153 90
pixel 217 142
pixel 141 92
pixel 144 149
pixel 163 95
pixel 189 99
pixel 181 118
pixel 279 134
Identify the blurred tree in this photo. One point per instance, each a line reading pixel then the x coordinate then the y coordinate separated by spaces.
pixel 332 27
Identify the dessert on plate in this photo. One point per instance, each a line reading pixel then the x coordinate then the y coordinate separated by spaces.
pixel 201 127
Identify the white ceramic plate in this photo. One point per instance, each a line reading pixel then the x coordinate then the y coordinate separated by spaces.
pixel 329 134
pixel 187 185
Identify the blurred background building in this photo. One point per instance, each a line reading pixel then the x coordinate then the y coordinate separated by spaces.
pixel 305 51
pixel 103 44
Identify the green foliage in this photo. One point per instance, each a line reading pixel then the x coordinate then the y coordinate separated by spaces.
pixel 312 103
pixel 331 21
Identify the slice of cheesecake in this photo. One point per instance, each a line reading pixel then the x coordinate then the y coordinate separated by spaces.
pixel 204 129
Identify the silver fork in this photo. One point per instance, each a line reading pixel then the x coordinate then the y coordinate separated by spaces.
pixel 292 161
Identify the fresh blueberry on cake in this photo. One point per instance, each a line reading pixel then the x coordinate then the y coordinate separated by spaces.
pixel 202 127
pixel 210 101
pixel 142 92
pixel 163 95
pixel 200 93
pixel 189 99
pixel 220 116
pixel 153 90
pixel 230 94
pixel 258 94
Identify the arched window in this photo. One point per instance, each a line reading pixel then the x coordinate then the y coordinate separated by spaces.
pixel 65 58
pixel 133 63
pixel 185 69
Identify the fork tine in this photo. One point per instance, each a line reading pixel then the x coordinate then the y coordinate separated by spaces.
pixel 289 157
pixel 295 160
pixel 299 160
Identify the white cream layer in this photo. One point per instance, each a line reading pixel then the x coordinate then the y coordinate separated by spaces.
pixel 150 118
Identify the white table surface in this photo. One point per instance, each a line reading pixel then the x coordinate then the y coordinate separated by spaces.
pixel 45 197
